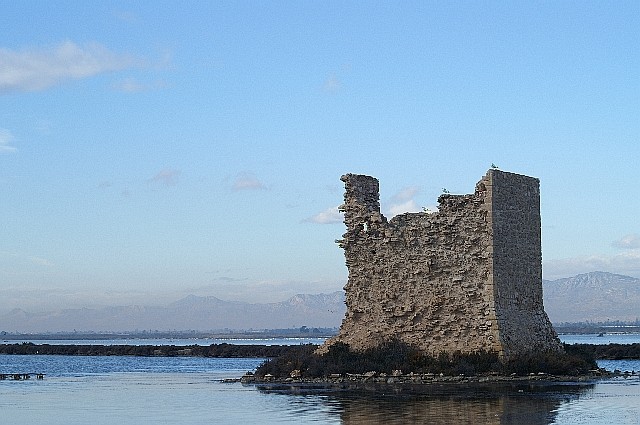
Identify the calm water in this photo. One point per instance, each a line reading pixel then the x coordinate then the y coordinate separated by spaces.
pixel 604 339
pixel 135 390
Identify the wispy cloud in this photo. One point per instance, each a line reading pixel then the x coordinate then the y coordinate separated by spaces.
pixel 41 261
pixel 406 194
pixel 334 81
pixel 263 291
pixel 40 299
pixel 132 85
pixel 40 68
pixel 6 139
pixel 328 216
pixel 167 177
pixel 403 201
pixel 16 262
pixel 404 207
pixel 247 181
pixel 630 241
pixel 332 84
pixel 126 16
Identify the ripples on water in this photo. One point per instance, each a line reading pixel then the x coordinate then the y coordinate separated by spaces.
pixel 187 390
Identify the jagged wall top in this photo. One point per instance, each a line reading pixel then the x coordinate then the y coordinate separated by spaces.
pixel 361 201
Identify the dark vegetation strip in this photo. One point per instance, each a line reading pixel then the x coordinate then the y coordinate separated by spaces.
pixel 283 359
pixel 214 350
pixel 604 351
pixel 607 351
pixel 395 356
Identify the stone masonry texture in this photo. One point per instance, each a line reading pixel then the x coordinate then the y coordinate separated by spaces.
pixel 466 278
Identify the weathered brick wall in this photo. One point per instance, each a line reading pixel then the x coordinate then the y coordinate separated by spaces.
pixel 429 279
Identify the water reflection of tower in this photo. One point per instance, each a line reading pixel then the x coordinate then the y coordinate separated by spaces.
pixel 499 405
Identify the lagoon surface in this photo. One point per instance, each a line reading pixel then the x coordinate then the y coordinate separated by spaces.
pixel 189 390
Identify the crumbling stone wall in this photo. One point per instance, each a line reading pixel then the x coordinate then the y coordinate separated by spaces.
pixel 463 279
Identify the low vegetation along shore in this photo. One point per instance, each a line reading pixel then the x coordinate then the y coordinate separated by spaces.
pixel 397 359
pixel 215 350
pixel 392 363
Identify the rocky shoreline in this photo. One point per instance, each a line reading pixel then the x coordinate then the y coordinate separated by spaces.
pixel 420 379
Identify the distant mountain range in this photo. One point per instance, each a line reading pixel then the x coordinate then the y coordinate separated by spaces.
pixel 190 313
pixel 595 297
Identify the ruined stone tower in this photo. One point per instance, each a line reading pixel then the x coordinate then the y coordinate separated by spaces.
pixel 463 279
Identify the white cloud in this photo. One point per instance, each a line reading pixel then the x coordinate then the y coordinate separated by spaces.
pixel 167 176
pixel 6 138
pixel 403 202
pixel 247 181
pixel 328 216
pixel 132 85
pixel 38 69
pixel 406 194
pixel 627 262
pixel 630 241
pixel 404 207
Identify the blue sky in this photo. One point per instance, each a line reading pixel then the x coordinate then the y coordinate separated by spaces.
pixel 149 150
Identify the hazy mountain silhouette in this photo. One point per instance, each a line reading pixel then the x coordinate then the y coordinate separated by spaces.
pixel 189 313
pixel 596 297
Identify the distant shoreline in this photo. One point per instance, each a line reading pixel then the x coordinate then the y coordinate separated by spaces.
pixel 248 334
pixel 302 332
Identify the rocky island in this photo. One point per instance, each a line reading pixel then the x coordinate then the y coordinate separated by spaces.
pixel 457 291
